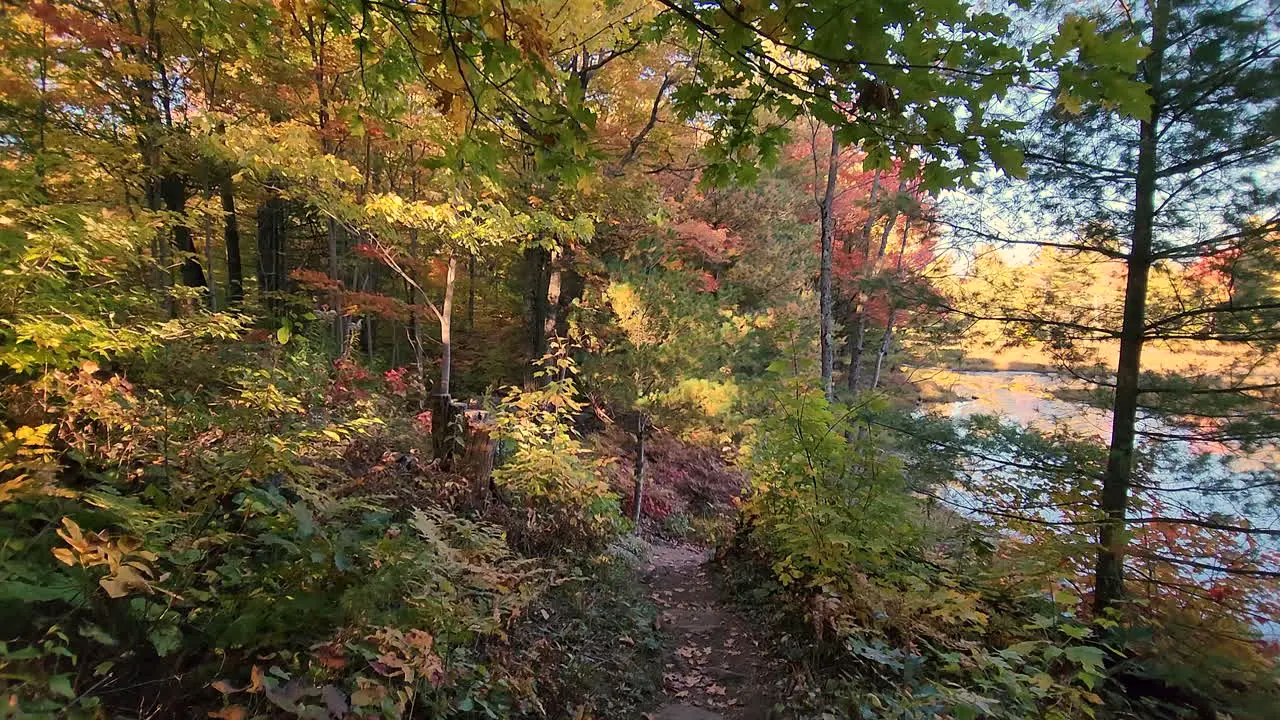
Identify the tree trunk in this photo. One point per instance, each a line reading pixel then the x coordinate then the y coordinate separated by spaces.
pixel 174 191
pixel 415 318
pixel 857 341
pixel 272 238
pixel 211 276
pixel 1112 540
pixel 857 346
pixel 443 426
pixel 537 262
pixel 231 238
pixel 446 328
pixel 637 500
pixel 471 293
pixel 549 323
pixel 885 344
pixel 335 297
pixel 826 318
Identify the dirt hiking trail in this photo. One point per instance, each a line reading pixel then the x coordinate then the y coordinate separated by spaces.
pixel 718 667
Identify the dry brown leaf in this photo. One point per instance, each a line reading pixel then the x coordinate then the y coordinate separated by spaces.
pixel 233 712
pixel 255 680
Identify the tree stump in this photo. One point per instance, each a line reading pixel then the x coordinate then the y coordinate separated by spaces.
pixel 478 454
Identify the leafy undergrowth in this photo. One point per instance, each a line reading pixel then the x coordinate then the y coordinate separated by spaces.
pixel 240 528
pixel 592 643
pixel 904 615
pixel 689 488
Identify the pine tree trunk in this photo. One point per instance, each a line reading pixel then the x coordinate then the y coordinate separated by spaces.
pixel 1112 540
pixel 231 238
pixel 826 317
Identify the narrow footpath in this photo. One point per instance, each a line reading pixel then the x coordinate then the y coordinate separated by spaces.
pixel 718 668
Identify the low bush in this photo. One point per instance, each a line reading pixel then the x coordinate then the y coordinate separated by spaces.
pixel 922 627
pixel 551 489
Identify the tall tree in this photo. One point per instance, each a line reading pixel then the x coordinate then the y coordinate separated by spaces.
pixel 1188 183
pixel 826 309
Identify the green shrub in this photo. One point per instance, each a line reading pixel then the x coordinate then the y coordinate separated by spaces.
pixel 928 632
pixel 552 487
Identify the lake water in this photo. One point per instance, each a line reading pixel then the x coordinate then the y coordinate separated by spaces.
pixel 1027 398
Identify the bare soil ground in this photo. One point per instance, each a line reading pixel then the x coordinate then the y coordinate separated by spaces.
pixel 719 666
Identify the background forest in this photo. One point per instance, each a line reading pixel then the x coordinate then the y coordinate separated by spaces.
pixel 353 353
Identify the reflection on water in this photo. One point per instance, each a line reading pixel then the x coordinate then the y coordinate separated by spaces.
pixel 1024 397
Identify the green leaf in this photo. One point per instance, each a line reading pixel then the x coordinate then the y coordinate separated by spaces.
pixel 165 639
pixel 61 685
pixel 1086 656
pixel 93 632
pixel 56 589
pixel 1078 632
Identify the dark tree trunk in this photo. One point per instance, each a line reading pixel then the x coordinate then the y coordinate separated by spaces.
pixel 273 215
pixel 174 191
pixel 857 347
pixel 537 263
pixel 1112 540
pixel 826 316
pixel 231 238
pixel 211 274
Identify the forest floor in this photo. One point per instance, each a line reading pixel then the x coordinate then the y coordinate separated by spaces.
pixel 719 666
